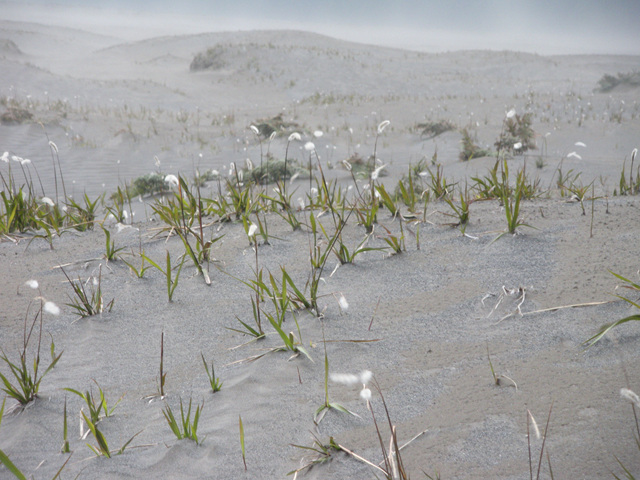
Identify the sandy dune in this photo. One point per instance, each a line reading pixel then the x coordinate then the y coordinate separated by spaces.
pixel 112 106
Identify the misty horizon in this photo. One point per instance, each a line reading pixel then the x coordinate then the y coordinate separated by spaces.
pixel 545 27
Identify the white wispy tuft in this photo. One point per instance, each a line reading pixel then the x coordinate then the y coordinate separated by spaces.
pixel 48 201
pixel 344 378
pixel 5 157
pixel 574 155
pixel 254 129
pixel 52 308
pixel 172 180
pixel 517 145
pixel 580 144
pixel 295 136
pixel 365 376
pixel 32 284
pixel 511 113
pixel 376 173
pixel 344 305
pixel 631 396
pixel 534 424
pixel 253 228
pixel 318 133
pixel 309 146
pixel 382 126
pixel 365 394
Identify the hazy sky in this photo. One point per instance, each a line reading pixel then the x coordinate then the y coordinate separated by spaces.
pixel 540 26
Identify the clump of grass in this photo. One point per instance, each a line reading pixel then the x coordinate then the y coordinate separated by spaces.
pixel 97 407
pixel 111 252
pixel 609 82
pixel 187 427
pixel 517 136
pixel 435 128
pixel 172 280
pixel 87 299
pixel 470 148
pixel 628 284
pixel 101 449
pixel 272 171
pixel 214 381
pixel 322 453
pixel 26 383
pixel 630 187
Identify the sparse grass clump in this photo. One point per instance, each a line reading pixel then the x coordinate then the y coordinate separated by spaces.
pixel 629 285
pixel 470 148
pixel 187 427
pixel 517 136
pixel 609 82
pixel 433 129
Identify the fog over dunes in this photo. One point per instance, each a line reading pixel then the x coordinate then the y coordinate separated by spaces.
pixel 546 27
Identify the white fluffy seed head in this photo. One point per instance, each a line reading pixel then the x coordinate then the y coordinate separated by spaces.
pixel 309 147
pixel 48 201
pixel 517 145
pixel 51 308
pixel 365 394
pixel 172 180
pixel 254 129
pixel 32 284
pixel 253 228
pixel 344 378
pixel 382 126
pixel 365 376
pixel 295 136
pixel 631 396
pixel 344 305
pixel 511 113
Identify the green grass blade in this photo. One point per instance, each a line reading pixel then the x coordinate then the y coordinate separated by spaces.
pixel 4 459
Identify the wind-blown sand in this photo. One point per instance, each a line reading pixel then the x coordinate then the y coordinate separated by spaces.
pixel 110 107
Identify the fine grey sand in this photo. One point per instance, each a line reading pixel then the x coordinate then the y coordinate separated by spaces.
pixel 423 319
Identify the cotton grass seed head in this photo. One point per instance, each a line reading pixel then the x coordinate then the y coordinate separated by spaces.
pixel 511 113
pixel 580 144
pixel 344 378
pixel 253 228
pixel 5 157
pixel 517 145
pixel 309 147
pixel 365 394
pixel 318 133
pixel 631 396
pixel 382 126
pixel 255 129
pixel 32 284
pixel 172 180
pixel 295 136
pixel 365 376
pixel 48 201
pixel 344 305
pixel 51 308
pixel 574 155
